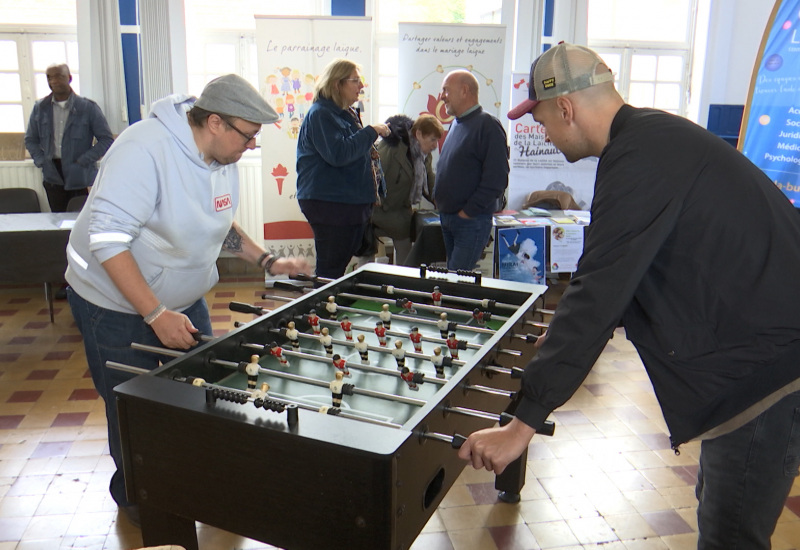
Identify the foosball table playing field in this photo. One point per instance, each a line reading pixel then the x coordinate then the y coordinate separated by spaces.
pixel 331 421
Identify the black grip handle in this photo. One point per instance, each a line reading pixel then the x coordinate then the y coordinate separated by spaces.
pixel 291 287
pixel 239 307
pixel 458 441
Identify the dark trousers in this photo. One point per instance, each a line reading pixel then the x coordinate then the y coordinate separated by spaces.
pixel 745 477
pixel 107 336
pixel 335 245
pixel 57 196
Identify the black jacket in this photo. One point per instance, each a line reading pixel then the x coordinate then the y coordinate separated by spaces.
pixel 697 252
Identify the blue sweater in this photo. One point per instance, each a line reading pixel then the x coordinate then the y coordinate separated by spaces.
pixel 333 156
pixel 472 172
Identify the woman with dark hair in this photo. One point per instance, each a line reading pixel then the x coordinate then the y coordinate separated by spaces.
pixel 406 160
pixel 338 168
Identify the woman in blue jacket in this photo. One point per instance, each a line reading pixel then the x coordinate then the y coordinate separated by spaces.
pixel 338 168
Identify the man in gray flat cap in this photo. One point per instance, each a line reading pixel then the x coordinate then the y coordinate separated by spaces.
pixel 143 250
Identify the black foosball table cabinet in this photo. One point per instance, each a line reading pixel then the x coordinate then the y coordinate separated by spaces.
pixel 367 475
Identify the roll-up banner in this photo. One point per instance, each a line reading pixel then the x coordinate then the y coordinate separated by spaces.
pixel 292 53
pixel 770 134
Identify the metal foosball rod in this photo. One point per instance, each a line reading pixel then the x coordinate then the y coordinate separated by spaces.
pixel 395 333
pixel 346 343
pixel 321 383
pixel 474 302
pixel 350 365
pixel 425 307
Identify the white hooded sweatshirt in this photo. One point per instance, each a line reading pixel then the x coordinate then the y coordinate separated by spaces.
pixel 155 196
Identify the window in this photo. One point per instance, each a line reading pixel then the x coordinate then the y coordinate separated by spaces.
pixel 33 35
pixel 648 47
pixel 24 58
pixel 220 36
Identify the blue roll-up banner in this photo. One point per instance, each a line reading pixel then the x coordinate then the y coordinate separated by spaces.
pixel 770 135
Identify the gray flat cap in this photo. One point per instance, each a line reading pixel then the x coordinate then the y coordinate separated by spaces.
pixel 232 95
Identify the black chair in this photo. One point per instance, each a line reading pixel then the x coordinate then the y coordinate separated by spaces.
pixel 19 200
pixel 75 204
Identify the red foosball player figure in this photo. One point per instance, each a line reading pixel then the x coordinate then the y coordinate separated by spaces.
pixel 337 387
pixel 341 364
pixel 407 305
pixel 277 351
pixel 416 339
pixel 399 354
pixel 443 325
pixel 380 332
pixel 452 345
pixel 477 314
pixel 362 349
pixel 347 327
pixel 292 335
pixel 313 320
pixel 386 316
pixel 251 370
pixel 436 295
pixel 410 378
pixel 327 342
pixel 331 307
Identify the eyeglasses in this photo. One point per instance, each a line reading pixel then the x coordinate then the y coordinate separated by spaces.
pixel 247 138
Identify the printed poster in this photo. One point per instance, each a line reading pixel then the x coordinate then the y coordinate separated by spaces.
pixel 292 53
pixel 537 165
pixel 428 51
pixel 566 247
pixel 771 123
pixel 520 254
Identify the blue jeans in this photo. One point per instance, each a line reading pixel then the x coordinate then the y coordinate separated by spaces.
pixel 745 477
pixel 465 239
pixel 107 336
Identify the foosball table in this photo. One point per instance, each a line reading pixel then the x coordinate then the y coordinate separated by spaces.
pixel 331 421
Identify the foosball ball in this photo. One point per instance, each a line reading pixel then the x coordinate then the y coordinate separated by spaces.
pixel 331 421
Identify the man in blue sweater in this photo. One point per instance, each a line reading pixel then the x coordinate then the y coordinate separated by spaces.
pixel 472 172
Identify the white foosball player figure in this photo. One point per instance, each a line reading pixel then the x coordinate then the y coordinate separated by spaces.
pixel 443 324
pixel 337 387
pixel 293 335
pixel 331 307
pixel 262 392
pixel 327 342
pixel 362 349
pixel 399 354
pixel 438 361
pixel 251 370
pixel 386 316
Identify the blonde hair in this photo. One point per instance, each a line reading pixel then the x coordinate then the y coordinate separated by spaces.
pixel 328 85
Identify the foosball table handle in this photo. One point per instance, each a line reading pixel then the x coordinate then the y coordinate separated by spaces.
pixel 240 307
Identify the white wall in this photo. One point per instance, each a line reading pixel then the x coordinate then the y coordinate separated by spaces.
pixel 734 36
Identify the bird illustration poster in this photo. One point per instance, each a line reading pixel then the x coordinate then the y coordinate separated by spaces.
pixel 521 254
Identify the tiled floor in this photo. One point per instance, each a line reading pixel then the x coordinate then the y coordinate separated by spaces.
pixel 607 479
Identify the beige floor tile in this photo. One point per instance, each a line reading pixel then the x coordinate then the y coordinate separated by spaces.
pixel 630 526
pixel 592 530
pixel 553 534
pixel 472 539
pixel 647 501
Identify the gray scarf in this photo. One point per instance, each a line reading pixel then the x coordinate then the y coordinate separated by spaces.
pixel 420 173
